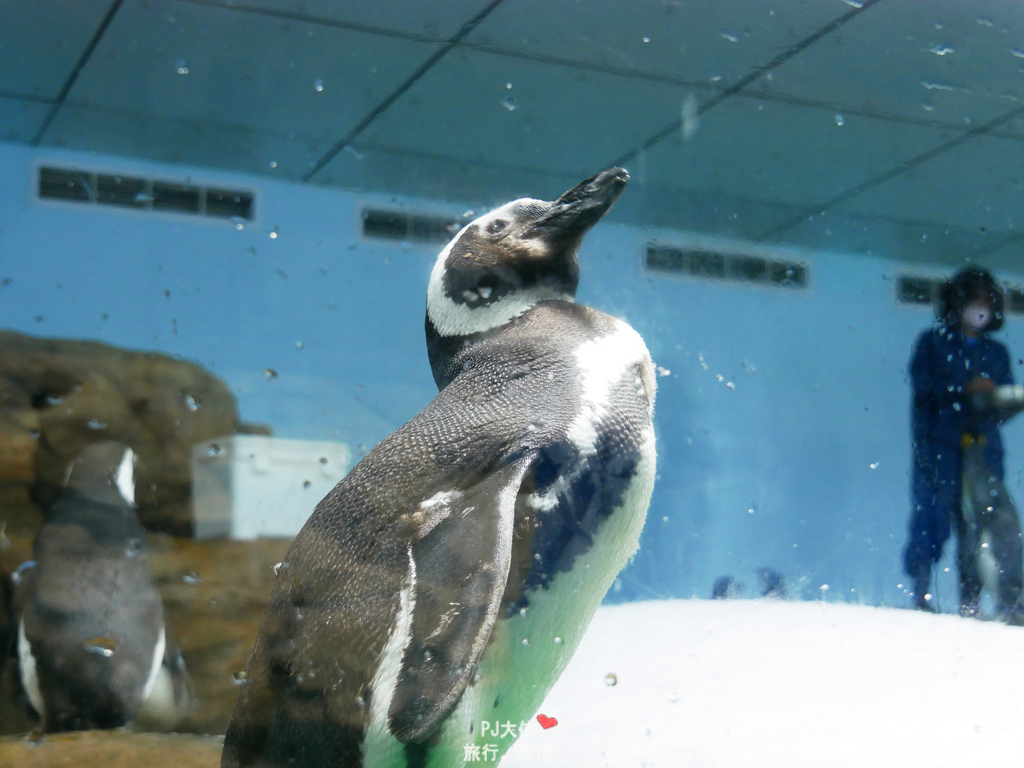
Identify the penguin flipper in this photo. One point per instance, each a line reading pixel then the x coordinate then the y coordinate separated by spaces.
pixel 461 565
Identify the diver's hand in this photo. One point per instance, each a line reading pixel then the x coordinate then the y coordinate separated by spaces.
pixel 979 384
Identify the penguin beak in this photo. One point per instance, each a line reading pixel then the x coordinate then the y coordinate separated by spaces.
pixel 581 207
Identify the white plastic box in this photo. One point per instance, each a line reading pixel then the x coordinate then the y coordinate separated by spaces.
pixel 247 486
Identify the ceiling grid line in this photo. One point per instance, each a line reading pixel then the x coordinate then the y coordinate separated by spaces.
pixel 76 71
pixel 751 77
pixel 897 170
pixel 397 93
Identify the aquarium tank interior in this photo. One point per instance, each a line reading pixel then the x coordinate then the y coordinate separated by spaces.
pixel 219 220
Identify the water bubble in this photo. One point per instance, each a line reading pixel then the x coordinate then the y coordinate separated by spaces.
pixel 611 679
pixel 95 424
pixel 646 39
pixel 840 120
pixel 942 50
pixel 269 374
pixel 273 163
pixel 508 86
pixel 662 371
pixel 318 85
pixel 823 588
pixel 274 233
pixel 133 547
pixel 181 67
pixel 213 449
pixel 239 222
pixel 525 641
pixel 558 641
pixel 984 545
pixel 299 345
pixel 522 612
pixel 484 291
pixel 239 677
pixel 101 646
pixel 509 103
pixel 730 37
pixel 874 465
pixel 191 403
pixel 192 578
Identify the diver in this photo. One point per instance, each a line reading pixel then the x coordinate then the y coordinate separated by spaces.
pixel 957 475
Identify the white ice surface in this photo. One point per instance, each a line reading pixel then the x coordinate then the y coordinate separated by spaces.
pixel 775 684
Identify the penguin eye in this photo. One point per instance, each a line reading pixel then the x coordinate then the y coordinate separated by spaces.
pixel 496 226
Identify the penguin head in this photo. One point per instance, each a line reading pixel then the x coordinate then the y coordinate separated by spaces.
pixel 104 471
pixel 524 252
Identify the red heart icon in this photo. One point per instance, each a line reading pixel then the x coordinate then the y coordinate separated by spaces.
pixel 546 722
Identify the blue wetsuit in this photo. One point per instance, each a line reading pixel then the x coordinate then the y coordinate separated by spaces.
pixel 943 362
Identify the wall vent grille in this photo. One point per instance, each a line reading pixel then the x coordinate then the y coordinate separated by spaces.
pixel 140 194
pixel 738 268
pixel 408 227
pixel 919 289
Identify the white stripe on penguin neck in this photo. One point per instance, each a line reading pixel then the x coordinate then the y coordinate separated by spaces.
pixel 454 319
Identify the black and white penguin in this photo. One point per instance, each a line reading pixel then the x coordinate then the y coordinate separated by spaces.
pixel 92 647
pixel 436 594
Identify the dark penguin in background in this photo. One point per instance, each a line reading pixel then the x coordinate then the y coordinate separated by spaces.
pixel 448 579
pixel 92 647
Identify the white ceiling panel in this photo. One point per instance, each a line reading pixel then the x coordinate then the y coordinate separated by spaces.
pixel 435 19
pixel 697 41
pixel 978 185
pixel 182 60
pixel 42 40
pixel 943 60
pixel 183 141
pixel 491 109
pixel 774 151
pixel 20 120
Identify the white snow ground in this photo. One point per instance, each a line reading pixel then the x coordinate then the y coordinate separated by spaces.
pixel 776 684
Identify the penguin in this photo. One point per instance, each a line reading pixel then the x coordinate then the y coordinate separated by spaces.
pixel 91 647
pixel 437 592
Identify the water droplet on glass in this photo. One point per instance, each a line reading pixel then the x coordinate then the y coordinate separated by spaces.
pixel 525 641
pixel 508 86
pixel 318 85
pixel 101 646
pixel 213 450
pixel 273 163
pixel 239 222
pixel 181 67
pixel 509 103
pixel 191 403
pixel 874 465
pixel 646 39
pixel 269 374
pixel 984 545
pixel 95 424
pixel 192 578
pixel 522 612
pixel 558 641
pixel 611 679
pixel 274 233
pixel 299 345
pixel 840 120
pixel 823 587
pixel 942 50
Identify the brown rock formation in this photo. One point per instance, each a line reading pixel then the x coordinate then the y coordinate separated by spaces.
pixel 56 396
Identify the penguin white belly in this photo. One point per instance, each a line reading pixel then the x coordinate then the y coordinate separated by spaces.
pixel 514 676
pixel 29 676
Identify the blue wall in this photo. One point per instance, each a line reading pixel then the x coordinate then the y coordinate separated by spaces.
pixel 800 464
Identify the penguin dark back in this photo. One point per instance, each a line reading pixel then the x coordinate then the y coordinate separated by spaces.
pixel 448 579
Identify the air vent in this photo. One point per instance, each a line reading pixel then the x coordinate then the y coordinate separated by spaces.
pixel 408 227
pixel 134 193
pixel 917 289
pixel 914 289
pixel 739 268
